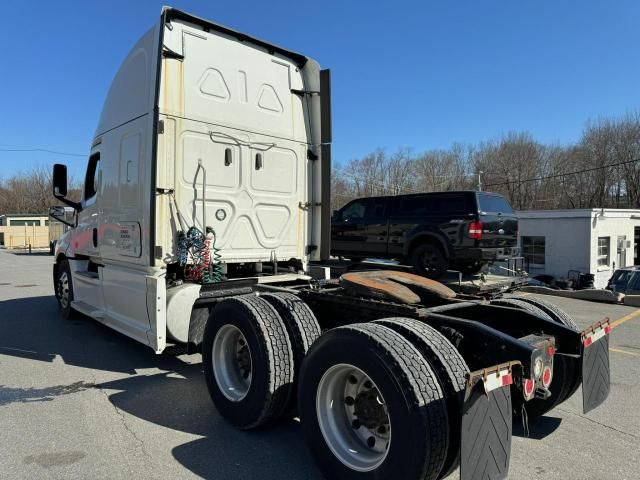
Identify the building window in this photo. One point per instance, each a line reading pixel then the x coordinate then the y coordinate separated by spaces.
pixel 22 223
pixel 533 250
pixel 603 251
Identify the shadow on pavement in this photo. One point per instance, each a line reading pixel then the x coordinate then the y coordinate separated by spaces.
pixel 175 398
pixel 539 427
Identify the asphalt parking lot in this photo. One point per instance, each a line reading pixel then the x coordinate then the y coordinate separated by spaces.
pixel 78 400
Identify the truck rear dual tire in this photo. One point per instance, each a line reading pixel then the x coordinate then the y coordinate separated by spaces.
pixel 566 371
pixel 302 328
pixel 449 367
pixel 248 361
pixel 371 406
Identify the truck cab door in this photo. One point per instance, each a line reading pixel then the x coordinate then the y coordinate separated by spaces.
pixel 85 238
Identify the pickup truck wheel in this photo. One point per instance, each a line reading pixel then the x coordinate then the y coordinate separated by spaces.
pixel 429 260
pixel 566 378
pixel 451 370
pixel 248 362
pixel 371 406
pixel 63 286
pixel 302 328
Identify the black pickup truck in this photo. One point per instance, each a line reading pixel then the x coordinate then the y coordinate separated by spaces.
pixel 432 232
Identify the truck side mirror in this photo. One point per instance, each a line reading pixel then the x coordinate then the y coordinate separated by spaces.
pixel 60 186
pixel 65 215
pixel 59 180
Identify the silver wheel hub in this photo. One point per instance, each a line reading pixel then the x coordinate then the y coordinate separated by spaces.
pixel 232 366
pixel 353 417
pixel 63 290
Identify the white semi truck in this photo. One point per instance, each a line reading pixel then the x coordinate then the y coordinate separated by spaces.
pixel 204 222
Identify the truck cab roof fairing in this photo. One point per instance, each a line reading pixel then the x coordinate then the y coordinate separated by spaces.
pixel 170 13
pixel 132 91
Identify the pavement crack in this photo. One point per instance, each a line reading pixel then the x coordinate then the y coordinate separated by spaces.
pixel 123 419
pixel 598 423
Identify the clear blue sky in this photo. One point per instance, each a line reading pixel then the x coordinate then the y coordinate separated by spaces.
pixel 419 74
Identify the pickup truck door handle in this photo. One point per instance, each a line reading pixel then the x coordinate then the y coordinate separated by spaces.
pixel 95 238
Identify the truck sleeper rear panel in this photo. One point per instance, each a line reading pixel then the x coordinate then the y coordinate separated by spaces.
pixel 229 115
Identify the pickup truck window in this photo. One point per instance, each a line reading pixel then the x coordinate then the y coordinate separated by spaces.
pixel 423 205
pixel 493 204
pixel 364 209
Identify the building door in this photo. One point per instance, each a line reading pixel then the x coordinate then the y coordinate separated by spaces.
pixel 622 251
pixel 636 246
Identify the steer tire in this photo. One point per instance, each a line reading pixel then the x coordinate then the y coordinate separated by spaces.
pixel 63 288
pixel 272 365
pixel 565 376
pixel 302 328
pixel 451 370
pixel 406 385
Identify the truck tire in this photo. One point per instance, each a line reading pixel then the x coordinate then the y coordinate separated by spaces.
pixel 248 362
pixel 572 365
pixel 521 305
pixel 63 288
pixel 360 385
pixel 565 376
pixel 557 314
pixel 451 370
pixel 429 260
pixel 302 328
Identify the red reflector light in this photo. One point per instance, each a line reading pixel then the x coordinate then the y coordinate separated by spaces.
pixel 607 329
pixel 475 230
pixel 506 380
pixel 528 387
pixel 587 341
pixel 546 377
pixel 551 351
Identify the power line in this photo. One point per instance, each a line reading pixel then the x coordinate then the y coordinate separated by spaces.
pixel 45 150
pixel 558 175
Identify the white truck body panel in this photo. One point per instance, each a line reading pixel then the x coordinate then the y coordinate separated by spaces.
pixel 197 115
pixel 227 96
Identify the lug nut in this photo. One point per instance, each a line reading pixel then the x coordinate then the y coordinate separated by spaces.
pixel 349 401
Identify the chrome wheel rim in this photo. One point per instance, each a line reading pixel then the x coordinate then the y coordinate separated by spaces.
pixel 63 289
pixel 232 365
pixel 353 417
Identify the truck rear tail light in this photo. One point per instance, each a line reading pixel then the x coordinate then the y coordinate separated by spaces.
pixel 528 387
pixel 475 230
pixel 546 377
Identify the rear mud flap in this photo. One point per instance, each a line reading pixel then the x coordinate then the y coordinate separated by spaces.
pixel 596 376
pixel 487 424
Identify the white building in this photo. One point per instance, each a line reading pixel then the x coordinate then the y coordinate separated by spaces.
pixel 595 241
pixel 22 219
